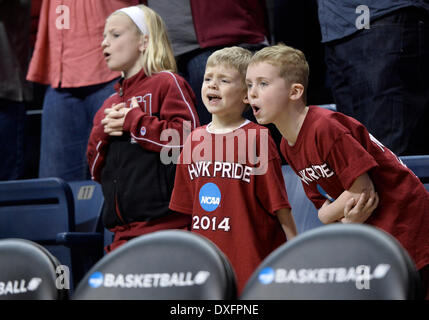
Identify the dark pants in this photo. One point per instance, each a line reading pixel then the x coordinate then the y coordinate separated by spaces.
pixel 66 124
pixel 380 76
pixel 12 138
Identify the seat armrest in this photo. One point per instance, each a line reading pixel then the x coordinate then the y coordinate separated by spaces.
pixel 70 239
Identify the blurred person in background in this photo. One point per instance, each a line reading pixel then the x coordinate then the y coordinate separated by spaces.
pixel 69 60
pixel 15 91
pixel 378 61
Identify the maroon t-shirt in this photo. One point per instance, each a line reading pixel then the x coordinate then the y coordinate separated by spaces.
pixel 332 150
pixel 233 195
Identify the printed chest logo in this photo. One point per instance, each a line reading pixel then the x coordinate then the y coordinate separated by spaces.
pixel 209 197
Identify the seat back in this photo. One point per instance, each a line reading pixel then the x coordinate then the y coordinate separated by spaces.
pixel 303 210
pixel 35 209
pixel 38 210
pixel 170 264
pixel 419 165
pixel 88 202
pixel 28 272
pixel 43 211
pixel 331 106
pixel 337 261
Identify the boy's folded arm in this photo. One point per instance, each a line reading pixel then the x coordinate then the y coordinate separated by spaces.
pixel 287 222
pixel 334 211
pixel 359 212
pixel 362 191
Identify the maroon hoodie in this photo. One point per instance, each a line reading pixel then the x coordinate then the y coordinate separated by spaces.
pixel 136 184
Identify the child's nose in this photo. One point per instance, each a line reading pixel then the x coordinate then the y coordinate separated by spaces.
pixel 252 92
pixel 212 84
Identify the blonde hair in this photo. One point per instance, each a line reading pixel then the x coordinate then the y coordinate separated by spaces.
pixel 158 55
pixel 291 62
pixel 234 57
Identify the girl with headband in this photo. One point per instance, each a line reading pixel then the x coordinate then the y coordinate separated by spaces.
pixel 127 150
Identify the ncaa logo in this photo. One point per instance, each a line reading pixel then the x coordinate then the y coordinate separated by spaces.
pixel 209 197
pixel 266 276
pixel 95 280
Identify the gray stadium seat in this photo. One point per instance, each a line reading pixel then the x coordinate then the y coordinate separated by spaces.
pixel 164 265
pixel 29 272
pixel 336 262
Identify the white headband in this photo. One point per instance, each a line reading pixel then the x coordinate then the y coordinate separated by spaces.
pixel 136 14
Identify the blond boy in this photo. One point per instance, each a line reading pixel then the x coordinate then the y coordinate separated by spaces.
pixel 242 209
pixel 347 174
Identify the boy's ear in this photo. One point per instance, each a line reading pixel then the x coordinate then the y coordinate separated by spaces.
pixel 246 100
pixel 296 91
